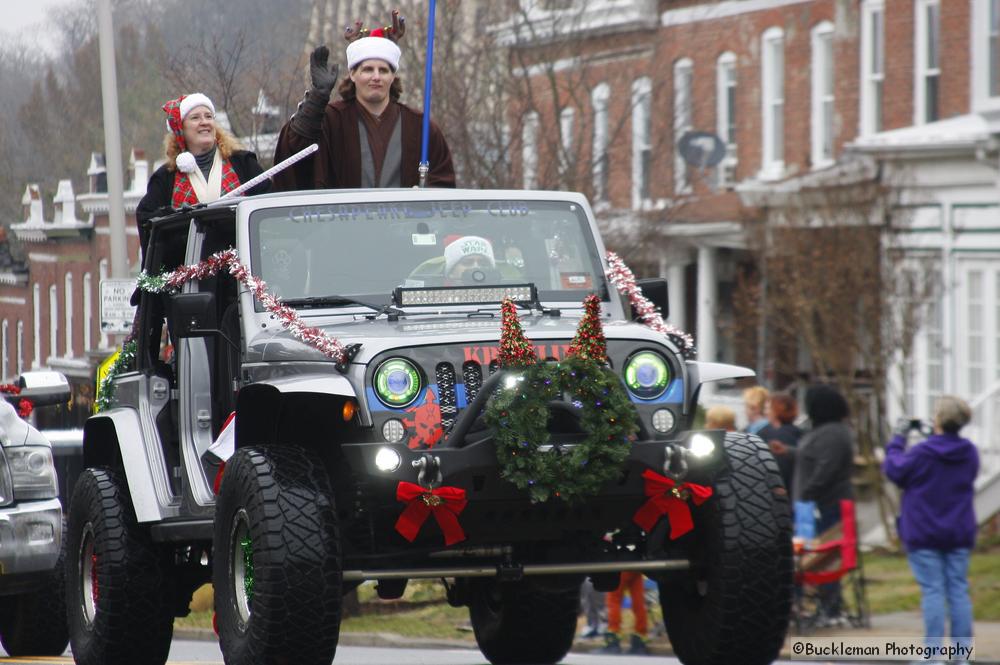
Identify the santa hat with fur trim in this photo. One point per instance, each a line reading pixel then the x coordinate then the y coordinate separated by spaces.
pixel 467 246
pixel 177 110
pixel 373 47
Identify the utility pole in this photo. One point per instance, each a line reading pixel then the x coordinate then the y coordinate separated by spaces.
pixel 112 141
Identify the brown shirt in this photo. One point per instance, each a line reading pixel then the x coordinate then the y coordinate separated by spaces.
pixel 337 163
pixel 379 130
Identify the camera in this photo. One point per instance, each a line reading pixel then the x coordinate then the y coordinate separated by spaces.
pixel 917 424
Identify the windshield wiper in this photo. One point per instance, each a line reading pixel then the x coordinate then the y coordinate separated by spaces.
pixel 311 302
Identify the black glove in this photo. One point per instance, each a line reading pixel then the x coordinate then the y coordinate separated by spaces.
pixel 308 118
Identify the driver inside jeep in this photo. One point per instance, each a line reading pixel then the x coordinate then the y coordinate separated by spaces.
pixel 467 260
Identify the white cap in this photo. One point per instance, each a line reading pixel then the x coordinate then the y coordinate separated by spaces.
pixel 191 102
pixel 467 246
pixel 373 48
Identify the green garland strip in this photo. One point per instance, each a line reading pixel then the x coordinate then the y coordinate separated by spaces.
pixel 124 361
pixel 519 415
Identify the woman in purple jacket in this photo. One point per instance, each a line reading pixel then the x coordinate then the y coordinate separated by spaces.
pixel 937 522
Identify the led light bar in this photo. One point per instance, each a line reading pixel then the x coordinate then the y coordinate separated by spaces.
pixel 462 295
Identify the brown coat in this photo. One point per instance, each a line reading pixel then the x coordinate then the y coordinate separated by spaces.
pixel 337 163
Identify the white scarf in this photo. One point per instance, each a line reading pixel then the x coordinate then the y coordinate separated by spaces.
pixel 210 190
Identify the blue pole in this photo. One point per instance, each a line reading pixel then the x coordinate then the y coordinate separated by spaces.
pixel 428 80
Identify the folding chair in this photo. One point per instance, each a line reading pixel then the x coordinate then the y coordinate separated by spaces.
pixel 835 557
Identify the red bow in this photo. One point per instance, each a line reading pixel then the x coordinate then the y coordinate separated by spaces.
pixel 445 502
pixel 668 498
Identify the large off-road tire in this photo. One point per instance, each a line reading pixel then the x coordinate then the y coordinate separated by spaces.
pixel 277 569
pixel 735 601
pixel 34 623
pixel 119 588
pixel 519 624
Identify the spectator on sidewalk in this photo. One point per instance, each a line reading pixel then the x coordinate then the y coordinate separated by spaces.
pixel 720 417
pixel 631 582
pixel 592 604
pixel 781 433
pixel 822 474
pixel 937 521
pixel 755 401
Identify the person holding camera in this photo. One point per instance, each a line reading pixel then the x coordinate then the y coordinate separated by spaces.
pixel 937 521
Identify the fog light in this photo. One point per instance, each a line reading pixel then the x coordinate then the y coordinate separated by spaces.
pixel 393 431
pixel 701 445
pixel 387 460
pixel 663 420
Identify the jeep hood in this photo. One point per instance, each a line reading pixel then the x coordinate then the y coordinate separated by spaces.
pixel 278 345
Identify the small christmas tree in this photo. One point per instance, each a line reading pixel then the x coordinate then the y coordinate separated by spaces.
pixel 589 342
pixel 516 350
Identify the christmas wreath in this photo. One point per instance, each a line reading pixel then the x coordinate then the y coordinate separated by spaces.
pixel 519 413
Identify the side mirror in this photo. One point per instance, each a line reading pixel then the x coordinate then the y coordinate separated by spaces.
pixel 193 314
pixel 42 388
pixel 655 290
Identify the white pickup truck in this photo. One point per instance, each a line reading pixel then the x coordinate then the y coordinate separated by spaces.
pixel 32 586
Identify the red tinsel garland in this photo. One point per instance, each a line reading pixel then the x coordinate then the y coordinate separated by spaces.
pixel 286 316
pixel 624 280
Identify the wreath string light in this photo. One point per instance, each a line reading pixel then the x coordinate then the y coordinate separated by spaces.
pixel 519 415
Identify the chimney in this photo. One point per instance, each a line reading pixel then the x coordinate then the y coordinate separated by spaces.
pixel 32 202
pixel 139 169
pixel 98 174
pixel 65 204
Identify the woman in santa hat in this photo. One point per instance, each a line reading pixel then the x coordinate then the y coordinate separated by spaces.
pixel 203 162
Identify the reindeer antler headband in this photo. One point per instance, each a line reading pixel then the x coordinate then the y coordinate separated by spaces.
pixel 393 32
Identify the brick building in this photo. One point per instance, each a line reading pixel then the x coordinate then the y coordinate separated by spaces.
pixel 50 294
pixel 802 94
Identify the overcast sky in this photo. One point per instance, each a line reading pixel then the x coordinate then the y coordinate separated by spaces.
pixel 28 18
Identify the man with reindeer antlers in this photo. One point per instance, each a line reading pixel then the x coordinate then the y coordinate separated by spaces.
pixel 367 138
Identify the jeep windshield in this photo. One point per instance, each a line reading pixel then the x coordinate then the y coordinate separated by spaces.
pixel 362 252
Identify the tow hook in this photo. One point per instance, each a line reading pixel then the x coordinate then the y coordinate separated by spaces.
pixel 675 464
pixel 430 470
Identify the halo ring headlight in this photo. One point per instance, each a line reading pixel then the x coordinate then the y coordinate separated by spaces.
pixel 397 382
pixel 647 375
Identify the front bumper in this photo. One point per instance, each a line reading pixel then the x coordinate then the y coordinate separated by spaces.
pixel 499 512
pixel 30 538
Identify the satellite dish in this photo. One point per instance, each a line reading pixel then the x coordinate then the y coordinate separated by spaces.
pixel 701 149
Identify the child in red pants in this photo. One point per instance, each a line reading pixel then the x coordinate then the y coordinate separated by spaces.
pixel 633 583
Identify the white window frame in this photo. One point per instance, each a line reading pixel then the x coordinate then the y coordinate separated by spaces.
pixel 4 352
pixel 599 101
pixel 923 70
pixel 772 103
pixel 642 119
pixel 822 83
pixel 683 120
pixel 36 307
pixel 103 268
pixel 88 314
pixel 567 121
pixel 983 67
pixel 529 151
pixel 53 321
pixel 725 81
pixel 20 347
pixel 68 307
pixel 872 104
